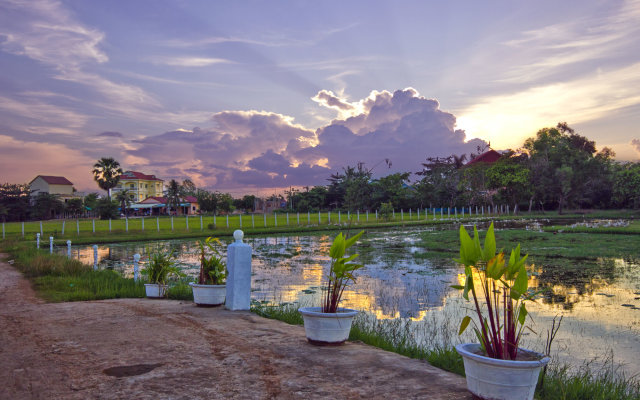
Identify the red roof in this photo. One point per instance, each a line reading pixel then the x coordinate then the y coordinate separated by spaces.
pixel 488 157
pixel 190 199
pixel 54 180
pixel 130 175
pixel 163 200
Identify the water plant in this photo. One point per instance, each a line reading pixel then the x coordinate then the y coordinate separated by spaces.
pixel 340 271
pixel 503 288
pixel 213 271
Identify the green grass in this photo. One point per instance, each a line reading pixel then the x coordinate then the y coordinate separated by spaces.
pixel 57 278
pixel 217 226
pixel 540 246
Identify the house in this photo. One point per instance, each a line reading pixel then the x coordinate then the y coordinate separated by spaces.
pixel 267 206
pixel 139 186
pixel 56 185
pixel 157 205
pixel 488 157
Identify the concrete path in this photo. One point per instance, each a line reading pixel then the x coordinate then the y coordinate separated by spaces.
pixel 163 349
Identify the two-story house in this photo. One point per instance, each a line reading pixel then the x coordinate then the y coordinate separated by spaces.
pixel 139 185
pixel 56 185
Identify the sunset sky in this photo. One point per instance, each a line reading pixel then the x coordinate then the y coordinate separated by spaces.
pixel 248 96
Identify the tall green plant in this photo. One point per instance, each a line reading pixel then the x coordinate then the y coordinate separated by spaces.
pixel 340 272
pixel 503 288
pixel 161 266
pixel 213 271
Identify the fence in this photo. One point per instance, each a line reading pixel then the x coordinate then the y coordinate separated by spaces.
pixel 77 227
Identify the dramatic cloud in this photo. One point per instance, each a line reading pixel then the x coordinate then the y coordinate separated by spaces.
pixel 636 144
pixel 267 150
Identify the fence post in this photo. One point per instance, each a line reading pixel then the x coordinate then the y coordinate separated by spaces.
pixel 410 215
pixel 201 224
pixel 376 214
pixel 22 228
pixel 63 221
pixel 298 217
pixel 37 240
pixel 214 221
pixel 339 217
pixel 329 217
pixel 358 217
pixel 143 224
pixel 50 244
pixel 93 225
pixel 126 224
pixel 367 215
pixel 265 218
pixel 3 230
pixel 455 210
pixel 240 220
pixel 78 227
pixel 287 219
pixel 69 248
pixel 394 214
pixel 308 217
pixel 172 222
pixel 136 259
pixel 319 218
pixel 41 233
pixel 95 257
pixel 253 220
pixel 227 220
pixel 239 278
pixel 158 223
pixel 401 214
pixel 109 225
pixel 187 221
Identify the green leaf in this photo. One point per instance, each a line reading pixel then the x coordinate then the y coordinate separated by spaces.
pixel 352 240
pixel 521 283
pixel 338 247
pixel 489 244
pixel 467 286
pixel 463 325
pixel 459 287
pixel 522 315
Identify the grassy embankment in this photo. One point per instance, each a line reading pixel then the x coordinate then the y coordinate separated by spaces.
pixel 560 382
pixel 57 278
pixel 159 228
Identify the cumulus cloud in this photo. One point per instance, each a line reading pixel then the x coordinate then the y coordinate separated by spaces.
pixel 266 150
pixel 636 144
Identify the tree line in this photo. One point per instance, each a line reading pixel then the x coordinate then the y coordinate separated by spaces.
pixel 555 170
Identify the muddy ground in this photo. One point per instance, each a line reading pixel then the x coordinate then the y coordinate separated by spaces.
pixel 163 349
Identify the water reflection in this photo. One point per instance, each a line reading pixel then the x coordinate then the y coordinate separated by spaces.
pixel 600 299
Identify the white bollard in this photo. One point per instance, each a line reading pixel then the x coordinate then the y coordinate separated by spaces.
pixel 95 257
pixel 136 259
pixel 69 248
pixel 455 210
pixel 239 278
pixel 37 240
pixel 50 244
pixel 448 212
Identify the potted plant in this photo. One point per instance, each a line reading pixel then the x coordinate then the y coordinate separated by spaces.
pixel 330 324
pixel 161 265
pixel 497 368
pixel 210 289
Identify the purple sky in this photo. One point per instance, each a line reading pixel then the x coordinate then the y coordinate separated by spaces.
pixel 247 97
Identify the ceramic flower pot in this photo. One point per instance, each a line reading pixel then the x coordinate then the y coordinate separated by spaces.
pixel 155 291
pixel 490 378
pixel 327 328
pixel 208 295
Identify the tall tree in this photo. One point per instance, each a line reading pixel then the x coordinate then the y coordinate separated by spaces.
pixel 174 195
pixel 124 198
pixel 46 206
pixel 14 202
pixel 107 173
pixel 188 188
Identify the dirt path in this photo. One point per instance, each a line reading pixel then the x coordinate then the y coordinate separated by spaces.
pixel 162 349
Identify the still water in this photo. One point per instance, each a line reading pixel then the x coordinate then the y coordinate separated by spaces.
pixel 601 309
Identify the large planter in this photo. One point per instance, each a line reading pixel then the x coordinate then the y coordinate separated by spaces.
pixel 155 290
pixel 208 295
pixel 324 329
pixel 490 378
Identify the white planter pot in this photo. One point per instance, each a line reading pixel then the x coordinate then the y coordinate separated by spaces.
pixel 490 378
pixel 155 290
pixel 327 328
pixel 208 295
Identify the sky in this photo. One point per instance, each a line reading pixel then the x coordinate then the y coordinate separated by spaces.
pixel 249 97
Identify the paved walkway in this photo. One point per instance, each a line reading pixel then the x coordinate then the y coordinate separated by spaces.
pixel 162 349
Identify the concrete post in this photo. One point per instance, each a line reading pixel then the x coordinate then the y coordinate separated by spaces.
pixel 201 224
pixel 441 213
pixel 298 217
pixel 287 219
pixel 309 217
pixel 50 244
pixel 187 221
pixel 22 228
pixel 401 215
pixel 448 212
pixel 455 211
pixel 78 227
pixel 126 224
pixel 37 240
pixel 93 225
pixel 95 257
pixel 158 224
pixel 109 225
pixel 3 230
pixel 376 214
pixel 41 233
pixel 253 221
pixel 434 214
pixel 410 214
pixel 329 217
pixel 239 279
pixel 69 248
pixel 394 214
pixel 367 216
pixel 240 220
pixel 142 224
pixel 319 218
pixel 265 219
pixel 172 222
pixel 136 259
pixel 227 220
pixel 275 218
pixel 63 221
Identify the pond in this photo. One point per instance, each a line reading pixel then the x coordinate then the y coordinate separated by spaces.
pixel 601 307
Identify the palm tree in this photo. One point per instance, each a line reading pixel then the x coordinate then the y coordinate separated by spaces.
pixel 173 194
pixel 107 173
